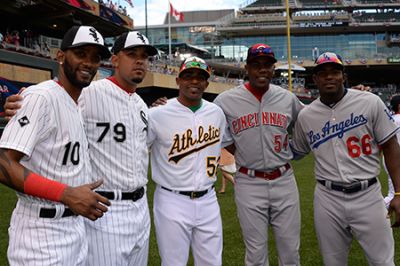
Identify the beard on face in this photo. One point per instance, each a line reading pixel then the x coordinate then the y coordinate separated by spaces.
pixel 70 73
pixel 137 80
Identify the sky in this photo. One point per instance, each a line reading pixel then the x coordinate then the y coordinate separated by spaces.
pixel 156 9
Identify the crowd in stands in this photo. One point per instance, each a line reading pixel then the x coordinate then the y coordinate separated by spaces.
pixel 378 1
pixel 382 15
pixel 27 42
pixel 114 6
pixel 166 68
pixel 320 2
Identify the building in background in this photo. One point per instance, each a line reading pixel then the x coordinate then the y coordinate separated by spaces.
pixel 366 33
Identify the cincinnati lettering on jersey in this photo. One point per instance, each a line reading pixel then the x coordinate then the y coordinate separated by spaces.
pixel 188 144
pixel 331 130
pixel 253 120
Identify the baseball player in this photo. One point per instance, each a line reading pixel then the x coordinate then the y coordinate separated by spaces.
pixel 259 115
pixel 44 154
pixel 185 137
pixel 343 129
pixel 395 105
pixel 116 124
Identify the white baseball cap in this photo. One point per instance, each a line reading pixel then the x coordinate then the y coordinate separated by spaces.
pixel 84 35
pixel 133 39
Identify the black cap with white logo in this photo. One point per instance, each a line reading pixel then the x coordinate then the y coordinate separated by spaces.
pixel 84 35
pixel 133 39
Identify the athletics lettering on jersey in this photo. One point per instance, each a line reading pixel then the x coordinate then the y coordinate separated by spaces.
pixel 186 143
pixel 331 130
pixel 252 120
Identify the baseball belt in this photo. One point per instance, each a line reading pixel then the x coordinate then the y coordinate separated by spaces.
pixel 191 194
pixel 265 175
pixel 118 195
pixel 51 213
pixel 348 187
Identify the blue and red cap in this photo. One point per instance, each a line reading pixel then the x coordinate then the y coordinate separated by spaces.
pixel 260 50
pixel 328 58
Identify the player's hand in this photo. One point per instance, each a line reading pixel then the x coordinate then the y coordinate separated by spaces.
pixel 13 103
pixel 84 201
pixel 160 101
pixel 361 87
pixel 394 207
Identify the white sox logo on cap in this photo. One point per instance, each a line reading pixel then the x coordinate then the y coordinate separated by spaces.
pixel 84 35
pixel 93 33
pixel 133 39
pixel 141 37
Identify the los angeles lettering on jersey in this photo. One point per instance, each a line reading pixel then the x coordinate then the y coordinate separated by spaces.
pixel 187 143
pixel 252 120
pixel 331 130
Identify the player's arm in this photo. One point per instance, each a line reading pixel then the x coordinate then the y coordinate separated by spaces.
pixel 159 101
pixel 391 151
pixel 361 87
pixel 81 200
pixel 298 144
pixel 231 148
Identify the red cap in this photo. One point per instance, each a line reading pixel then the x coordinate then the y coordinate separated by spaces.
pixel 258 50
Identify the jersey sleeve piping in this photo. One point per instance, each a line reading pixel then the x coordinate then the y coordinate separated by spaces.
pixel 380 142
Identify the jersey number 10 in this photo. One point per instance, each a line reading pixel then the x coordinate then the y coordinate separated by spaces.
pixel 71 152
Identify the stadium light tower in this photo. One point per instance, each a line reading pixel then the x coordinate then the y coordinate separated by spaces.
pixel 145 17
pixel 289 52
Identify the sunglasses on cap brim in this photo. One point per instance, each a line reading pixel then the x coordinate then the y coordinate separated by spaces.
pixel 262 50
pixel 193 64
pixel 327 59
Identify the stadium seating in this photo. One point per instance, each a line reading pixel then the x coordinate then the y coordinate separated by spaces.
pixel 377 17
pixel 377 1
pixel 320 2
pixel 266 3
pixel 245 18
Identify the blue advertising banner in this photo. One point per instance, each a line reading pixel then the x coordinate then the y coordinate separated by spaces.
pixel 7 88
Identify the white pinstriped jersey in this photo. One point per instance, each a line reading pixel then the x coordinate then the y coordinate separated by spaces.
pixel 186 145
pixel 345 138
pixel 260 129
pixel 116 128
pixel 49 130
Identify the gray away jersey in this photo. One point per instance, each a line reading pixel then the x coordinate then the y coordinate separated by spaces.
pixel 260 129
pixel 345 138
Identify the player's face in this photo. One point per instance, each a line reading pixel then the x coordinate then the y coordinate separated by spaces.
pixel 192 83
pixel 131 65
pixel 260 71
pixel 80 65
pixel 329 80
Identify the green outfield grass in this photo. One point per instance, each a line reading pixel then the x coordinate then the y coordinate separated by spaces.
pixel 233 253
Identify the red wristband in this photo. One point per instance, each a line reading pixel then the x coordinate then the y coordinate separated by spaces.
pixel 39 186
